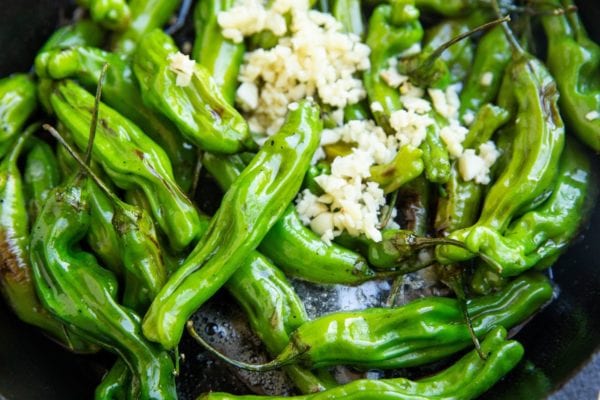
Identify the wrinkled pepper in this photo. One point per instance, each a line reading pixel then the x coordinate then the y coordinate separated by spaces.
pixel 199 109
pixel 41 175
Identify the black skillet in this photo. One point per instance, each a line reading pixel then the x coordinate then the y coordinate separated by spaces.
pixel 559 342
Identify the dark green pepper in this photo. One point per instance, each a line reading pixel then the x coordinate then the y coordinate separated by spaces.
pixel 220 56
pixel 467 378
pixel 111 14
pixel 41 175
pixel 198 109
pixel 420 332
pixel 122 93
pixel 18 101
pixel 255 201
pixel 131 160
pixel 115 383
pixel 574 61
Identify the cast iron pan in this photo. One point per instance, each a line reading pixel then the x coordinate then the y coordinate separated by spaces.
pixel 558 342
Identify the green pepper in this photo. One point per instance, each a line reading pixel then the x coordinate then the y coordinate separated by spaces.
pixel 77 290
pixel 538 142
pixel 349 14
pixel 16 280
pixel 293 247
pixel 131 160
pixel 492 56
pixel 17 103
pixel 146 15
pixel 255 201
pixel 447 8
pixel 115 383
pixel 574 61
pixel 220 56
pixel 122 93
pixel 41 175
pixel 392 30
pixel 198 109
pixel 420 332
pixel 547 230
pixel 111 14
pixel 466 379
pixel 406 166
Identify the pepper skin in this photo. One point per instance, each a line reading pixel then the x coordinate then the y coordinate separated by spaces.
pixel 538 142
pixel 146 15
pixel 574 61
pixel 121 92
pixel 468 378
pixel 77 290
pixel 293 247
pixel 111 14
pixel 406 166
pixel 130 159
pixel 18 101
pixel 16 280
pixel 199 109
pixel 418 333
pixel 547 230
pixel 41 175
pixel 221 57
pixel 255 201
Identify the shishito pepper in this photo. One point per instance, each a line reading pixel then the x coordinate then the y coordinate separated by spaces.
pixel 530 91
pixel 249 209
pixel 420 332
pixel 466 379
pixel 198 109
pixel 574 61
pixel 111 14
pixel 41 175
pixel 548 229
pixel 220 56
pixel 122 93
pixel 131 159
pixel 16 280
pixel 18 101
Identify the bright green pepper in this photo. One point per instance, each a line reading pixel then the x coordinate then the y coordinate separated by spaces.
pixel 255 201
pixel 466 379
pixel 16 280
pixel 537 145
pixel 220 56
pixel 111 14
pixel 293 247
pixel 18 101
pixel 574 61
pixel 131 160
pixel 122 93
pixel 420 332
pixel 81 293
pixel 41 175
pixel 406 166
pixel 392 30
pixel 146 15
pixel 547 230
pixel 199 109
pixel 115 383
pixel 349 14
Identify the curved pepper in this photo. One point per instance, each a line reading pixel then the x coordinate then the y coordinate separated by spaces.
pixel 111 14
pixel 537 145
pixel 293 247
pixel 547 230
pixel 199 109
pixel 18 101
pixel 146 15
pixel 574 61
pixel 467 378
pixel 82 294
pixel 131 159
pixel 221 57
pixel 16 280
pixel 122 93
pixel 249 209
pixel 406 166
pixel 418 333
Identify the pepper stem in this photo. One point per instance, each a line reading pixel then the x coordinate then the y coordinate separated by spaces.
pixel 275 364
pixel 94 124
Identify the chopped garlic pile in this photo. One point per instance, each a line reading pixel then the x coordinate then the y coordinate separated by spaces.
pixel 315 58
pixel 183 66
pixel 350 203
